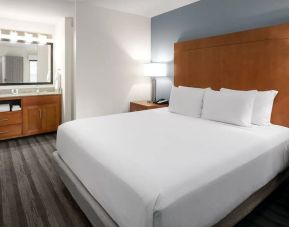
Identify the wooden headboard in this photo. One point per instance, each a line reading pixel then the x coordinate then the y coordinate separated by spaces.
pixel 254 59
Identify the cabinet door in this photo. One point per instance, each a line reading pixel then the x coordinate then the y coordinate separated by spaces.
pixel 50 117
pixel 32 120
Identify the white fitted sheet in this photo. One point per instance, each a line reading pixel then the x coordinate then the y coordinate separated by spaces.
pixel 156 168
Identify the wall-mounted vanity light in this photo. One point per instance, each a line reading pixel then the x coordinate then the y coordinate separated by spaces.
pixel 24 37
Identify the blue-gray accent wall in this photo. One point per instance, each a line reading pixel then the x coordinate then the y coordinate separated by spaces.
pixel 207 18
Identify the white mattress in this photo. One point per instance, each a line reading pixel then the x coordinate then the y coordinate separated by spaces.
pixel 156 168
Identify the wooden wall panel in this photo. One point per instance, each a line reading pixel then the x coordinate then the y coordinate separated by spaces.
pixel 255 59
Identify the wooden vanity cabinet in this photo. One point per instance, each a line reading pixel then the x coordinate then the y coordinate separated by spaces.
pixel 41 115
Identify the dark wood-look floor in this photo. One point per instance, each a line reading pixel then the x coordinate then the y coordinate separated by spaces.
pixel 273 212
pixel 32 194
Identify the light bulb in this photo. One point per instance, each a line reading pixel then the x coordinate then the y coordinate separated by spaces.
pixel 13 37
pixel 28 38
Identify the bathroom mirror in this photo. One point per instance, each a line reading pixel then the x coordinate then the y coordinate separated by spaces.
pixel 24 64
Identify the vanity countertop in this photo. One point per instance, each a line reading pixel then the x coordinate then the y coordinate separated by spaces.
pixel 7 95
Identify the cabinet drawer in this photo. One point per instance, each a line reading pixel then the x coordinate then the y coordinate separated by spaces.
pixel 10 131
pixel 10 118
pixel 40 100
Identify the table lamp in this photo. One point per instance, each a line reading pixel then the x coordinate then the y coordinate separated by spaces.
pixel 154 70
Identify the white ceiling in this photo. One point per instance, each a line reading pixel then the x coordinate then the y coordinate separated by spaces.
pixel 148 8
pixel 50 11
pixel 42 11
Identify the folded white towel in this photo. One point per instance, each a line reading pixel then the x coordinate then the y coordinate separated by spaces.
pixel 16 108
pixel 4 107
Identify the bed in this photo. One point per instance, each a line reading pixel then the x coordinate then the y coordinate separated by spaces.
pixel 159 169
pixel 191 175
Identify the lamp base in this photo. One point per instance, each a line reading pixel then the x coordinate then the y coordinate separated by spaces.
pixel 154 88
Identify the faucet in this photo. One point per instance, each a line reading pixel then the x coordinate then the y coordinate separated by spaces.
pixel 14 91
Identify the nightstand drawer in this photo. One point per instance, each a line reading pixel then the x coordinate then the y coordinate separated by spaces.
pixel 10 118
pixel 144 105
pixel 136 107
pixel 10 131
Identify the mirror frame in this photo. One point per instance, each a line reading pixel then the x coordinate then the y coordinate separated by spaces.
pixel 38 83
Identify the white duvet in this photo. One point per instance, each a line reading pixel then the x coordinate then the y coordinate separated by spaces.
pixel 156 168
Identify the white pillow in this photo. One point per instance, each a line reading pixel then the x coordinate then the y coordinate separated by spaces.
pixel 187 101
pixel 232 108
pixel 263 106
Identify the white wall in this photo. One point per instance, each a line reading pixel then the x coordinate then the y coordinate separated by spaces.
pixel 110 49
pixel 21 25
pixel 69 68
pixel 41 11
pixel 64 63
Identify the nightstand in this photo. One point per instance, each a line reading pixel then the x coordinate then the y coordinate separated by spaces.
pixel 145 105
